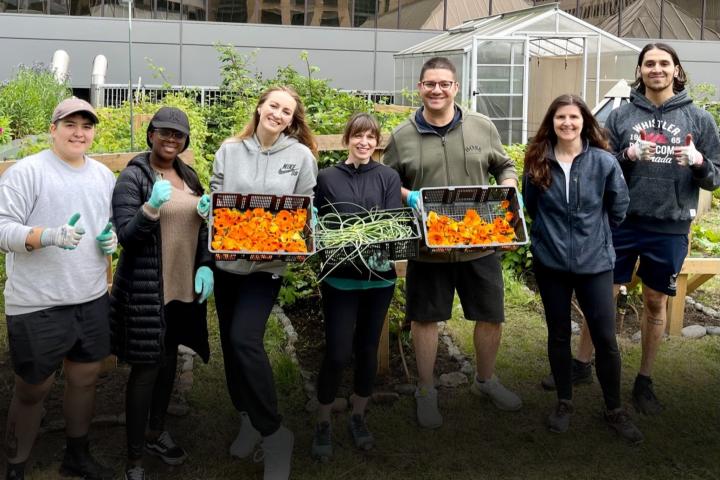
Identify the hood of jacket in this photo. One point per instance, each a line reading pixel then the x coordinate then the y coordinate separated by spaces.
pixel 283 142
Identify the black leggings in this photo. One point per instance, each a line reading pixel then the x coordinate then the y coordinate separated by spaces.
pixel 244 303
pixel 353 323
pixel 148 390
pixel 595 295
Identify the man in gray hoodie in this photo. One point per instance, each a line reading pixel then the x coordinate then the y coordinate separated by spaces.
pixel 668 149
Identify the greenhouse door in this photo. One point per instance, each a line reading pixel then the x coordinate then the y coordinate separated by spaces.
pixel 499 84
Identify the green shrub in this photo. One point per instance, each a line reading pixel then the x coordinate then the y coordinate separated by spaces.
pixel 5 131
pixel 29 98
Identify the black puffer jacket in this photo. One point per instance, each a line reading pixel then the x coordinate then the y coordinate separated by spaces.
pixel 137 320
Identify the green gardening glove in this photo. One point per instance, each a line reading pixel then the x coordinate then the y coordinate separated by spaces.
pixel 161 192
pixel 107 240
pixel 204 283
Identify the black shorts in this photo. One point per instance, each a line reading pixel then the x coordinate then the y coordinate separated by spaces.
pixel 430 290
pixel 661 257
pixel 39 341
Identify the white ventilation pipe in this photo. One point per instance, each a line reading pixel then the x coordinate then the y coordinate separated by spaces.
pixel 97 80
pixel 60 65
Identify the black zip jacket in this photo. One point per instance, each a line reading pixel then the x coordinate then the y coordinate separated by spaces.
pixel 137 323
pixel 663 194
pixel 575 236
pixel 343 188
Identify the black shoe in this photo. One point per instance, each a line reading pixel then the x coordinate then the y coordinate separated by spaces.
pixel 619 420
pixel 15 471
pixel 322 442
pixel 643 397
pixel 581 375
pixel 559 419
pixel 79 463
pixel 165 448
pixel 361 436
pixel 135 472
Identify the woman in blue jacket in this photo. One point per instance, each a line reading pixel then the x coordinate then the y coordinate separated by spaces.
pixel 355 298
pixel 575 192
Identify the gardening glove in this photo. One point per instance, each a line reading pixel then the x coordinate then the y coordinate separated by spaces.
pixel 521 202
pixel 161 192
pixel 413 200
pixel 379 262
pixel 107 240
pixel 314 218
pixel 204 283
pixel 67 236
pixel 688 154
pixel 203 207
pixel 641 149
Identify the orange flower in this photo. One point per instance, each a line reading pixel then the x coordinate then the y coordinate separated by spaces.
pixel 258 230
pixel 471 230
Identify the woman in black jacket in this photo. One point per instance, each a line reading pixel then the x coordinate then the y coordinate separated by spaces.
pixel 575 192
pixel 161 282
pixel 355 298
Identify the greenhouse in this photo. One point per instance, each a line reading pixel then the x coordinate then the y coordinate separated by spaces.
pixel 511 66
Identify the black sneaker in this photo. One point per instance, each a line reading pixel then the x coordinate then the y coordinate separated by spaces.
pixel 78 462
pixel 361 436
pixel 620 421
pixel 322 442
pixel 135 472
pixel 15 471
pixel 559 419
pixel 165 448
pixel 581 375
pixel 643 397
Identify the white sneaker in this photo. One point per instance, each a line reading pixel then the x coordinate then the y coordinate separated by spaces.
pixel 277 450
pixel 503 398
pixel 428 415
pixel 246 440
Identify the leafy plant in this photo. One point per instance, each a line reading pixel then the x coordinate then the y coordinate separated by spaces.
pixel 706 240
pixel 5 131
pixel 29 98
pixel 300 281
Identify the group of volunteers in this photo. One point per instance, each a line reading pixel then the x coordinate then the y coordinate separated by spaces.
pixel 599 201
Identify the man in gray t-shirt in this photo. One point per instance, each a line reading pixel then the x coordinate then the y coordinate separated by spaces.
pixel 56 298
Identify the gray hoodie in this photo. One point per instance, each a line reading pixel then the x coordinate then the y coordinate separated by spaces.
pixel 287 168
pixel 663 194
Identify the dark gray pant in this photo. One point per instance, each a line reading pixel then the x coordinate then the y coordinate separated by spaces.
pixel 244 303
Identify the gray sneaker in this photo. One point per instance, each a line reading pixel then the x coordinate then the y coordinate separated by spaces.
pixel 559 420
pixel 428 414
pixel 360 434
pixel 277 454
pixel 503 398
pixel 619 420
pixel 135 472
pixel 246 440
pixel 322 442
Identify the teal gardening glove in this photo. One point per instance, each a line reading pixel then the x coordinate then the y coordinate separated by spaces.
pixel 204 283
pixel 413 199
pixel 66 236
pixel 107 240
pixel 161 192
pixel 203 207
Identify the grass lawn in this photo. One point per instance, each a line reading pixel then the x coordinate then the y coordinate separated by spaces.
pixel 476 441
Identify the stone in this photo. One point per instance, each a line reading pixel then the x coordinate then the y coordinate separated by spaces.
pixel 309 387
pixel 385 398
pixel 185 382
pixel 453 351
pixel 187 364
pixel 690 301
pixel 712 312
pixel 312 405
pixel 713 330
pixel 306 375
pixel 453 379
pixel 694 331
pixel 699 306
pixel 637 336
pixel 467 368
pixel 178 409
pixel 575 327
pixel 183 350
pixel 405 388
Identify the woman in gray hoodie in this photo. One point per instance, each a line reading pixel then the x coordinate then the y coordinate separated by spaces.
pixel 274 154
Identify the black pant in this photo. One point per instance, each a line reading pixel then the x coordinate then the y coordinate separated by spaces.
pixel 353 323
pixel 149 389
pixel 595 295
pixel 244 303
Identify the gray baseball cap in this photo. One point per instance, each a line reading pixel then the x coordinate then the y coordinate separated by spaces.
pixel 73 105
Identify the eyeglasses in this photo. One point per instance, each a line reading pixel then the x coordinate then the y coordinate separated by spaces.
pixel 168 133
pixel 444 85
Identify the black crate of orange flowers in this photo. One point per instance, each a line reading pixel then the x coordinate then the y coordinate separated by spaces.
pixel 472 218
pixel 260 227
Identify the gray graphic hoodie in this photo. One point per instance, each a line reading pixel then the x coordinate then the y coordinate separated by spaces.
pixel 286 168
pixel 663 194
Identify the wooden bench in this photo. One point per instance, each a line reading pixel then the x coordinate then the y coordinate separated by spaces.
pixel 695 271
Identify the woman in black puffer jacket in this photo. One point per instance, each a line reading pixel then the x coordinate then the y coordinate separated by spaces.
pixel 164 264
